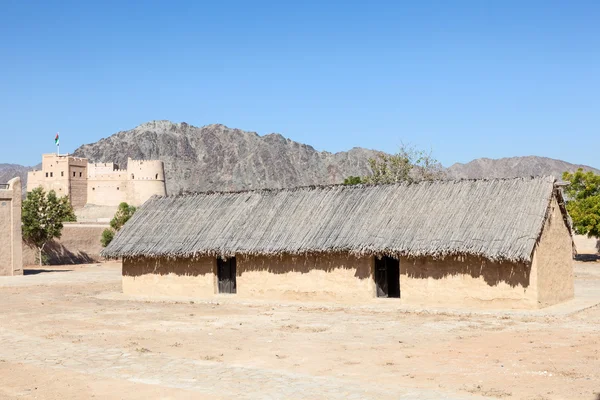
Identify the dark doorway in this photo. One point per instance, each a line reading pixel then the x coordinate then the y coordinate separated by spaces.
pixel 387 277
pixel 226 275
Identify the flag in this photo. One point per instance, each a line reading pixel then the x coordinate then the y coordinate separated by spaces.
pixel 56 142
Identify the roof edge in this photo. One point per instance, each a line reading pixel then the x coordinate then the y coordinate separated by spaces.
pixel 549 178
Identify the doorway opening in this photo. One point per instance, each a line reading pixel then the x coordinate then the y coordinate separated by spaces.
pixel 226 272
pixel 387 277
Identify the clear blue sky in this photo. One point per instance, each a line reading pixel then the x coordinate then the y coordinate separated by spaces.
pixel 467 79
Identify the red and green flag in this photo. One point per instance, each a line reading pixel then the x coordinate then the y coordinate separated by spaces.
pixel 56 141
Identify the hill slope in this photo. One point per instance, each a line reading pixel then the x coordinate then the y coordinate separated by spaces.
pixel 513 167
pixel 215 157
pixel 9 171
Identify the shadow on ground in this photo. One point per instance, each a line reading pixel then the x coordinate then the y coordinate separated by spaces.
pixel 587 258
pixel 43 271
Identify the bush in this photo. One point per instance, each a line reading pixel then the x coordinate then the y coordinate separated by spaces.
pixel 107 237
pixel 123 214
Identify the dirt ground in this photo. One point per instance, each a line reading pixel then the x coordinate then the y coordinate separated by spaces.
pixel 66 333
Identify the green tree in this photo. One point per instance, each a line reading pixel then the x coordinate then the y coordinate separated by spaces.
pixel 42 218
pixel 107 236
pixel 583 201
pixel 353 180
pixel 123 214
pixel 408 165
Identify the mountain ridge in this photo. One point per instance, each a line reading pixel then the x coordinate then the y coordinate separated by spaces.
pixel 509 167
pixel 215 157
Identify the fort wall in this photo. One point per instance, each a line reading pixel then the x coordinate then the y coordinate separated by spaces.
pixel 102 184
pixel 107 185
pixel 146 179
pixel 64 174
pixel 101 169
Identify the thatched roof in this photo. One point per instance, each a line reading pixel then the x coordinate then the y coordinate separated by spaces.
pixel 499 219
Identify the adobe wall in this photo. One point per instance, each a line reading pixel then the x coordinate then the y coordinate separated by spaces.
pixel 108 191
pixel 334 277
pixel 11 257
pixel 340 277
pixel 96 169
pixel 329 277
pixel 553 259
pixel 586 246
pixel 162 277
pixel 64 174
pixel 141 180
pixel 78 183
pixel 467 281
pixel 454 281
pixel 146 179
pixel 79 244
pixel 100 184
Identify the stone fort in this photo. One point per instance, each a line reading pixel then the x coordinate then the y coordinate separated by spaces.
pixel 101 184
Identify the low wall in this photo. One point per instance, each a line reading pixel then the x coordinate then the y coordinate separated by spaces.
pixel 79 244
pixel 586 246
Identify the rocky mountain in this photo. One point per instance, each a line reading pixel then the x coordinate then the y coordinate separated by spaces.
pixel 513 167
pixel 9 171
pixel 215 157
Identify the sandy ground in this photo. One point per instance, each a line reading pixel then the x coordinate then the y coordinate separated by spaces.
pixel 66 333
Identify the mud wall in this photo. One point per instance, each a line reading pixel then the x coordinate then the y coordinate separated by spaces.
pixel 467 281
pixel 553 259
pixel 79 244
pixel 162 277
pixel 454 281
pixel 11 259
pixel 337 277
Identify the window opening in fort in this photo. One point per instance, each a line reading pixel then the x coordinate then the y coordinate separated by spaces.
pixel 62 173
pixel 80 174
pixel 387 277
pixel 156 177
pixel 51 174
pixel 46 174
pixel 132 176
pixel 73 174
pixel 117 188
pixel 226 272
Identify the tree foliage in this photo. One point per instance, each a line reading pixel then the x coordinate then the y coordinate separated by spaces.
pixel 583 201
pixel 123 214
pixel 107 236
pixel 408 165
pixel 42 218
